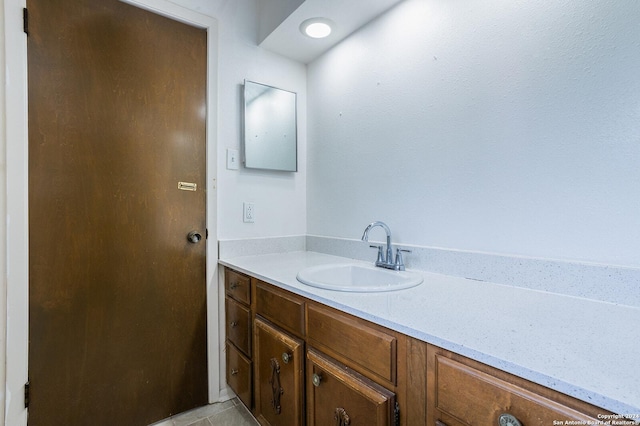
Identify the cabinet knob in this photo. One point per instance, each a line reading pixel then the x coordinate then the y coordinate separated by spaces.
pixel 508 420
pixel 286 357
pixel 234 371
pixel 439 423
pixel 233 323
pixel 233 285
pixel 316 379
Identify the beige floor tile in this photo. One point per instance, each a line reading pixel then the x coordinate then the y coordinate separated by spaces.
pixel 199 416
pixel 235 416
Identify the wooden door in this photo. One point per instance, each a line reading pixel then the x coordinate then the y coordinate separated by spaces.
pixel 279 375
pixel 337 395
pixel 117 106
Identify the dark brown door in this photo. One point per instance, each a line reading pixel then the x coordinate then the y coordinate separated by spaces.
pixel 117 106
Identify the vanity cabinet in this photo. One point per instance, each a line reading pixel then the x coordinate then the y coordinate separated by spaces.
pixel 238 327
pixel 316 365
pixel 463 392
pixel 312 365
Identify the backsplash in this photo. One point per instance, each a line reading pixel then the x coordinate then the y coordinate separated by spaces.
pixel 617 285
pixel 228 249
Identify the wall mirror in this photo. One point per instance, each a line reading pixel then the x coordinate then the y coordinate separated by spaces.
pixel 270 129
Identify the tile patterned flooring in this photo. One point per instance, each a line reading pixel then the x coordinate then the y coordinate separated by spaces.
pixel 228 413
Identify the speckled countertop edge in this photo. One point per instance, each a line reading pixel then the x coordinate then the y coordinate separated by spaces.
pixel 584 348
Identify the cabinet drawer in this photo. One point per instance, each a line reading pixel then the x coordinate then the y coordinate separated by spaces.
pixel 349 339
pixel 467 396
pixel 339 396
pixel 237 286
pixel 239 374
pixel 281 308
pixel 238 325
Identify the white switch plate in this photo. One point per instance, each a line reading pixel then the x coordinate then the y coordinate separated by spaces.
pixel 232 159
pixel 249 212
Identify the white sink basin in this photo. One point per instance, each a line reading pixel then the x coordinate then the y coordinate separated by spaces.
pixel 357 278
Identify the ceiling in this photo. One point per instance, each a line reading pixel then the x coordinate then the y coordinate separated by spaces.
pixel 280 23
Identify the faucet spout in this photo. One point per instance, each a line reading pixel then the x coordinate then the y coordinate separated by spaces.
pixel 365 237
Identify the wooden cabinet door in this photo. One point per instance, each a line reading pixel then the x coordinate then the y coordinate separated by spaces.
pixel 337 395
pixel 279 375
pixel 463 392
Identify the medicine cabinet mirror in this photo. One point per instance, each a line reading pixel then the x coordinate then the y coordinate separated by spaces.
pixel 270 129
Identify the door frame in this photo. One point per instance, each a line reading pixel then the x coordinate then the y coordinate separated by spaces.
pixel 17 209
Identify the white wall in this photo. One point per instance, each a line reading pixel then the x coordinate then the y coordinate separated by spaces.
pixel 279 197
pixel 3 212
pixel 488 125
pixel 272 13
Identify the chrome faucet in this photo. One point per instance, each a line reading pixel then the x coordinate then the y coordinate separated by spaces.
pixel 385 260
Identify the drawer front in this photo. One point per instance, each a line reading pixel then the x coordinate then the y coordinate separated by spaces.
pixel 281 308
pixel 239 376
pixel 466 396
pixel 339 396
pixel 237 286
pixel 348 339
pixel 238 325
pixel 279 376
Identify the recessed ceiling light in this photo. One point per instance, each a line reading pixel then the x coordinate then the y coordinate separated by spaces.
pixel 316 27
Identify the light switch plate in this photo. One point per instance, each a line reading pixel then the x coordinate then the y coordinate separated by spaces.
pixel 232 159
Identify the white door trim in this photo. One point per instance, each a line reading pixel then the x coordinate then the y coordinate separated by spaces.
pixel 17 158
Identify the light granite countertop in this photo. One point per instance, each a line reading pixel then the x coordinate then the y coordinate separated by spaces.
pixel 585 348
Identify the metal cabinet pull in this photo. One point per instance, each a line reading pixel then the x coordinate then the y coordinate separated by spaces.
pixel 234 371
pixel 286 357
pixel 341 417
pixel 233 323
pixel 276 388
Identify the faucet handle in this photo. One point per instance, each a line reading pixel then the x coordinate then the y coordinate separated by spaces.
pixel 399 264
pixel 380 255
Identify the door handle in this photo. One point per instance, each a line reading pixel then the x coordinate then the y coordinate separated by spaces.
pixel 194 237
